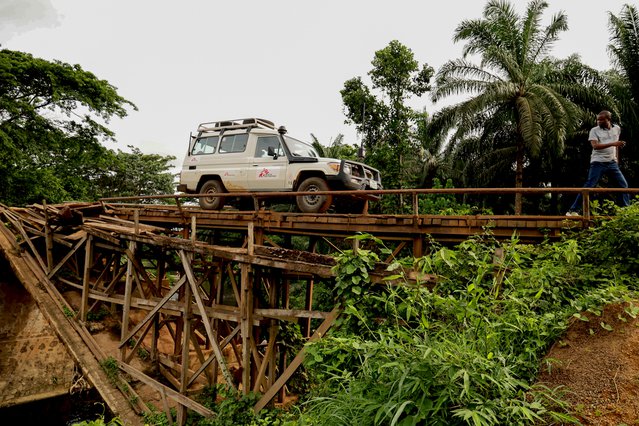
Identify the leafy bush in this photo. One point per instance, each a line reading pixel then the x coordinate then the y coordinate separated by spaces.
pixel 616 242
pixel 446 204
pixel 468 350
pixel 231 407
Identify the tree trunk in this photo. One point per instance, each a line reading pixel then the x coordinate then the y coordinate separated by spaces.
pixel 519 176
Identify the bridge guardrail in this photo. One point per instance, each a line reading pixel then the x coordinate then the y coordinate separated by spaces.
pixel 414 193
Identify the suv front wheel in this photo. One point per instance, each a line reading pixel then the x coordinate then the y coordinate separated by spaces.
pixel 212 203
pixel 314 203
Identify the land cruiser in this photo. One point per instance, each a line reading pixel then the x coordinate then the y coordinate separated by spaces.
pixel 251 155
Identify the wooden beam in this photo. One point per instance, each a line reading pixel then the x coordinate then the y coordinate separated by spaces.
pixel 246 309
pixel 149 316
pixel 297 361
pixel 186 339
pixel 207 325
pixel 127 303
pixel 176 396
pixel 88 260
pixel 53 271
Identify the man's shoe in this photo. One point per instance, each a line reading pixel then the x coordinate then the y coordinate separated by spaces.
pixel 571 213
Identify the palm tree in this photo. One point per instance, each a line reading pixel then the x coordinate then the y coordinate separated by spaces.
pixel 624 46
pixel 624 81
pixel 514 93
pixel 336 148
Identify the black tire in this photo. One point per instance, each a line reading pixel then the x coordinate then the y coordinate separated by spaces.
pixel 212 203
pixel 314 203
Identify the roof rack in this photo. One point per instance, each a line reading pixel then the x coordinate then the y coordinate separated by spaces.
pixel 241 123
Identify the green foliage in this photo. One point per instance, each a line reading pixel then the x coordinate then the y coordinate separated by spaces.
pixel 291 342
pixel 53 119
pixel 157 418
pixel 624 82
pixel 523 103
pixel 445 203
pixel 111 368
pixel 624 44
pixel 231 407
pixel 616 242
pixel 99 315
pixel 386 122
pixel 335 149
pixel 468 350
pixel 136 173
pixel 68 312
pixel 352 271
pixel 100 422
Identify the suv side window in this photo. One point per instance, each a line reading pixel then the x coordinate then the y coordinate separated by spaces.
pixel 233 143
pixel 266 143
pixel 205 145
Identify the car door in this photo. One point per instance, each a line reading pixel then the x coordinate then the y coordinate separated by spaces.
pixel 230 161
pixel 268 165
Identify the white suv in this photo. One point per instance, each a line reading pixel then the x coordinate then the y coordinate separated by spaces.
pixel 251 155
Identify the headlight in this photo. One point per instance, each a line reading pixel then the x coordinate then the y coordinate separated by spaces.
pixel 334 166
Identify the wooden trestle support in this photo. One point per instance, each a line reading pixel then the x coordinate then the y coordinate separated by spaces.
pixel 220 307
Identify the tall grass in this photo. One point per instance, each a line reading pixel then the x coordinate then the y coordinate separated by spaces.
pixel 468 350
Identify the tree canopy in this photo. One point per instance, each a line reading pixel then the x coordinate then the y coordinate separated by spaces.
pixel 624 81
pixel 520 103
pixel 387 124
pixel 53 120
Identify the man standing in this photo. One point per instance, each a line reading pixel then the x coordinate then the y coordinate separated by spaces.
pixel 605 142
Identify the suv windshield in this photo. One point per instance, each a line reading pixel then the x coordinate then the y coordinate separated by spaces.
pixel 299 148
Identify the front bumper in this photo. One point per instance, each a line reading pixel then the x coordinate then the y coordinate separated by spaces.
pixel 343 181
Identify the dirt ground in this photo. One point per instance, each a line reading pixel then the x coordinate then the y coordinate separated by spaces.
pixel 597 363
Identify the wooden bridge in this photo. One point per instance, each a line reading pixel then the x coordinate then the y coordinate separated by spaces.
pixel 203 295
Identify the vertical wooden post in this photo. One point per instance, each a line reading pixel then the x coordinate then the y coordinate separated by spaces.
pixel 585 198
pixel 128 290
pixel 186 339
pixel 246 325
pixel 250 238
pixel 418 246
pixel 273 330
pixel 161 270
pixel 219 283
pixel 258 235
pixel 48 237
pixel 193 228
pixel 286 293
pixel 136 221
pixel 308 305
pixel 88 263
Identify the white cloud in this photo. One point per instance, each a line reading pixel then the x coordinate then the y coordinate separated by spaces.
pixel 18 16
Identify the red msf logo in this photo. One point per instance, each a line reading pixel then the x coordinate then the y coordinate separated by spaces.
pixel 264 173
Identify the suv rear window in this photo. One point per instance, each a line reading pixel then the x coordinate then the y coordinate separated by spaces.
pixel 233 143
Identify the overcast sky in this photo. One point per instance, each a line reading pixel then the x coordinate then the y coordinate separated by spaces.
pixel 183 63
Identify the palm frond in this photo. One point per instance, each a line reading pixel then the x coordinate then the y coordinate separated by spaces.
pixel 544 42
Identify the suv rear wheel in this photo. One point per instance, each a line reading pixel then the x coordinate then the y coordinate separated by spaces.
pixel 212 187
pixel 314 203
